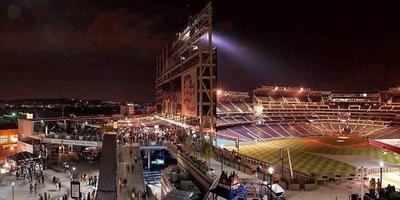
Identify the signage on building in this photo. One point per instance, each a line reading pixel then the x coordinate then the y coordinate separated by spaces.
pixel 29 115
pixel 73 142
pixel 189 93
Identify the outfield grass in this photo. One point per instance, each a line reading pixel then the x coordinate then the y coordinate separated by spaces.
pixel 302 151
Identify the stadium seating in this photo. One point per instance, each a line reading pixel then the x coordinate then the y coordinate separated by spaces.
pixel 289 113
pixel 254 132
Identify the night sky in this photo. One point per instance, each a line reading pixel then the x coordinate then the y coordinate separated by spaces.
pixel 101 50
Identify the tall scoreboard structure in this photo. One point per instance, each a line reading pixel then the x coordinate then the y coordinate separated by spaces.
pixel 186 75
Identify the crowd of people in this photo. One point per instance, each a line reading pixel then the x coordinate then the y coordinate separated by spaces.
pixel 145 135
pixel 376 190
pixel 32 173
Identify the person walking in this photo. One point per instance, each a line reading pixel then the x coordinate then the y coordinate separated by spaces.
pixel 93 193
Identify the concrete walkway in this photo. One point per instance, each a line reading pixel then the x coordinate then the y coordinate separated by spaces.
pixel 217 169
pixel 134 177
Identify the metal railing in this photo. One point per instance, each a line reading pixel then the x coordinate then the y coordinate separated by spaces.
pixel 234 156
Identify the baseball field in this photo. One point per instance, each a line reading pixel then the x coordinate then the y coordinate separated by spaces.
pixel 321 155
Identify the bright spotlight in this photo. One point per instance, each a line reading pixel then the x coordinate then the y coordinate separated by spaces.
pixel 381 164
pixel 219 92
pixel 276 88
pixel 271 170
pixel 258 109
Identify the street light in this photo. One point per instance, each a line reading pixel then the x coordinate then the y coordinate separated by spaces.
pixel 74 175
pixel 270 171
pixel 381 165
pixel 12 184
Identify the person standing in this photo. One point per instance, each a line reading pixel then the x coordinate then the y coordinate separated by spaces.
pixel 378 185
pixel 95 181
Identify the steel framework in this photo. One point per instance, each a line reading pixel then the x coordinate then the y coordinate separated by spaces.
pixel 193 49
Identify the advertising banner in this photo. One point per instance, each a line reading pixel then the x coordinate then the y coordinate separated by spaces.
pixel 189 93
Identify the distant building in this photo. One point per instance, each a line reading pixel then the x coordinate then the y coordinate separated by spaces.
pixel 8 138
pixel 127 110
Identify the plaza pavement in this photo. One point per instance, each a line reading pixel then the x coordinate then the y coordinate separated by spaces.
pixel 21 188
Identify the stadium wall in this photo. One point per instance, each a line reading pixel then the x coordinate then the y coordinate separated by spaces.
pixel 383 145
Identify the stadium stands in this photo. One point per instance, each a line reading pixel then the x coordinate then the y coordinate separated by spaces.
pixel 252 132
pixel 300 112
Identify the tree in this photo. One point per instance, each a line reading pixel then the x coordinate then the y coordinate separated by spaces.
pixel 207 151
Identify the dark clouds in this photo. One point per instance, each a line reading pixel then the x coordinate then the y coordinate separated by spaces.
pixel 341 46
pixel 78 49
pixel 106 49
